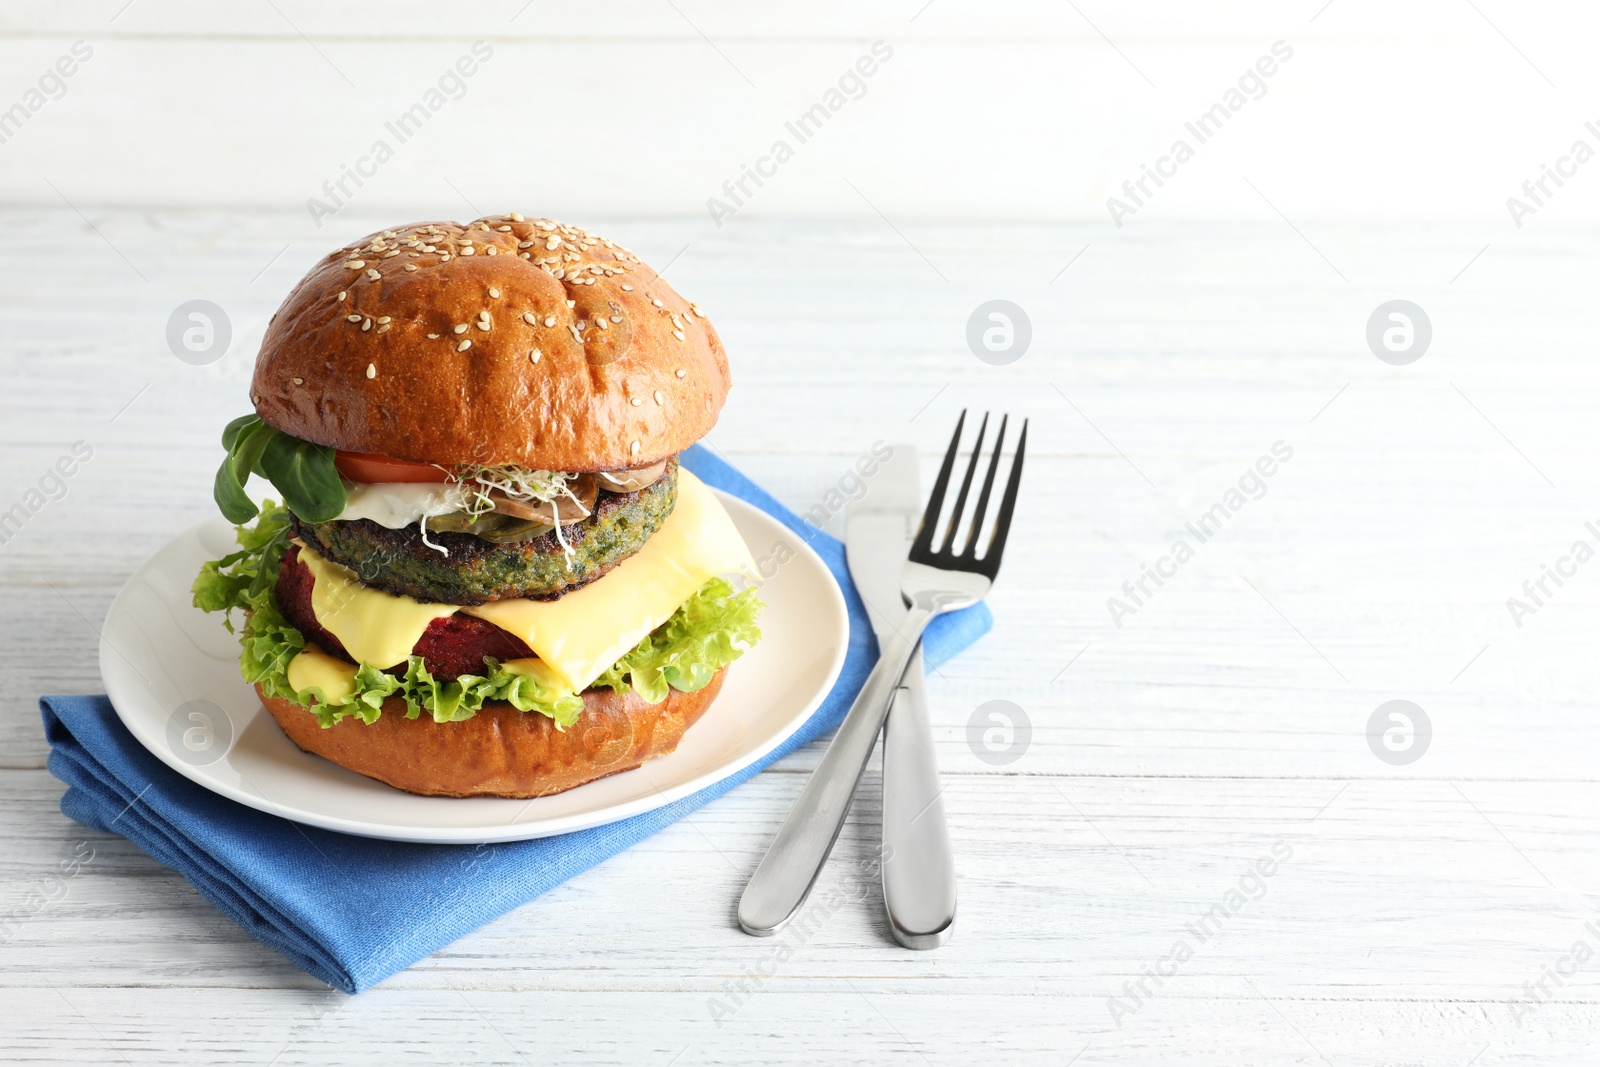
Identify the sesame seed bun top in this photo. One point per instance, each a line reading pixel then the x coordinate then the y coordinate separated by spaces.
pixel 507 340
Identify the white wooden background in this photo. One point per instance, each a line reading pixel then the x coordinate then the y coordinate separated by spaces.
pixel 1226 717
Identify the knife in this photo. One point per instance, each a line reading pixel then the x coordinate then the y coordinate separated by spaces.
pixel 919 877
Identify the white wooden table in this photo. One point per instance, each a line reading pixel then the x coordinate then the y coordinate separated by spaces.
pixel 1224 719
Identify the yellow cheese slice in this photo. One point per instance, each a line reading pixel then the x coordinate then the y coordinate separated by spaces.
pixel 536 669
pixel 582 634
pixel 375 627
pixel 312 667
pixel 579 636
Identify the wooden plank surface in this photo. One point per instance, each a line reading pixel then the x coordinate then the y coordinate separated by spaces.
pixel 1023 111
pixel 1225 716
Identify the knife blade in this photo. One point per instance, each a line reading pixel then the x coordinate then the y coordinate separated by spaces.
pixel 919 880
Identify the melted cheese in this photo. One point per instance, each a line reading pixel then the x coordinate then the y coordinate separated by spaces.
pixel 537 669
pixel 577 637
pixel 581 635
pixel 313 667
pixel 375 627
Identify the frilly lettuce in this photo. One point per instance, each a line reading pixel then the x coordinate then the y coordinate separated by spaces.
pixel 710 630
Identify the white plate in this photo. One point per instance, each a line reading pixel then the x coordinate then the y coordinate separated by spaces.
pixel 172 673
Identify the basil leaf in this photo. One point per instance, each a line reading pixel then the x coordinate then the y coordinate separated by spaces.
pixel 248 448
pixel 230 496
pixel 231 433
pixel 304 473
pixel 249 440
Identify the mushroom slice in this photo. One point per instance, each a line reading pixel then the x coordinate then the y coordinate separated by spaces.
pixel 562 509
pixel 630 481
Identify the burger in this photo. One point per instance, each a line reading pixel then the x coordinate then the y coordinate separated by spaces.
pixel 490 574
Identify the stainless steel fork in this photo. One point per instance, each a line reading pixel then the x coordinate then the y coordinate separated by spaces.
pixel 935 580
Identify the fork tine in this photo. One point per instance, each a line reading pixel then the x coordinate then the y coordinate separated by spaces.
pixel 1008 504
pixel 966 484
pixel 988 486
pixel 930 515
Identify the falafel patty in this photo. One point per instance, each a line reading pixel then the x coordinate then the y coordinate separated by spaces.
pixel 473 571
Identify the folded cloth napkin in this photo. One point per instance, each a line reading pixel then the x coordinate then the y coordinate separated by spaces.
pixel 354 910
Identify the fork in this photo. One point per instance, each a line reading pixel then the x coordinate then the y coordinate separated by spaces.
pixel 935 580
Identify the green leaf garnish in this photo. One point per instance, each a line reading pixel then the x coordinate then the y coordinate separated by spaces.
pixel 303 472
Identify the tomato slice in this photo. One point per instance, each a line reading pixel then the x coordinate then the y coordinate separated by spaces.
pixel 369 467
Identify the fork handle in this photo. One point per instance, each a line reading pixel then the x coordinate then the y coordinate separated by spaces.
pixel 919 872
pixel 795 858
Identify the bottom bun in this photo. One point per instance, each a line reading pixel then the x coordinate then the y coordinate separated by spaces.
pixel 500 751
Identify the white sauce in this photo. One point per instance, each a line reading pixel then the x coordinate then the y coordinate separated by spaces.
pixel 399 504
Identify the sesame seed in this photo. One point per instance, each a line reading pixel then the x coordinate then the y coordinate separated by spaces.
pixel 602 323
pixel 696 309
pixel 529 318
pixel 382 319
pixel 636 402
pixel 463 346
pixel 533 356
pixel 385 326
pixel 627 288
pixel 342 295
pixel 526 255
pixel 681 373
pixel 494 294
pixel 633 448
pixel 524 244
pixel 659 398
pixel 352 318
pixel 552 243
pixel 483 324
pixel 491 250
pixel 299 381
pixel 572 303
pixel 460 328
pixel 367 325
pixel 433 337
pixel 616 318
pixel 374 275
pixel 411 266
pixel 391 254
pixel 549 320
pixel 467 250
pixel 503 229
pixel 657 302
pixel 355 264
pixel 678 334
pixel 514 217
pixel 372 370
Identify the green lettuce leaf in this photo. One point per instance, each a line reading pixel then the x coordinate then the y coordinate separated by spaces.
pixel 710 630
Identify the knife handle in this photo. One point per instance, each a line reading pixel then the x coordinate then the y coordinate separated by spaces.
pixel 919 873
pixel 787 872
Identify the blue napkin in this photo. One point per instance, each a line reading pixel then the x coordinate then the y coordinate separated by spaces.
pixel 354 910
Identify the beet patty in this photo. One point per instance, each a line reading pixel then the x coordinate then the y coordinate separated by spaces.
pixel 451 646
